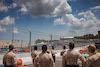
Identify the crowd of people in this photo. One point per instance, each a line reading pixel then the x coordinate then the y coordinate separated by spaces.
pixel 44 59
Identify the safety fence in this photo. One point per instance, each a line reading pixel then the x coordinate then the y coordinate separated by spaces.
pixel 25 39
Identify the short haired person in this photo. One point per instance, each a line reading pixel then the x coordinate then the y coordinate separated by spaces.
pixel 53 53
pixel 43 59
pixel 34 53
pixel 9 59
pixel 70 58
pixel 63 51
pixel 94 58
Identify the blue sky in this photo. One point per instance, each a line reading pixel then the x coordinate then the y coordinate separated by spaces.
pixel 58 17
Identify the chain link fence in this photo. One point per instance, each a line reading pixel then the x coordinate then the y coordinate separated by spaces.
pixel 25 39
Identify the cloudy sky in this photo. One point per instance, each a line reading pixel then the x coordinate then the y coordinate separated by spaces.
pixel 58 17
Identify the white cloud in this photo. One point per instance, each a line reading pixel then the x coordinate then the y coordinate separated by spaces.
pixel 59 22
pixel 44 7
pixel 23 9
pixel 14 5
pixel 82 13
pixel 3 8
pixel 96 7
pixel 2 29
pixel 87 24
pixel 88 15
pixel 7 20
pixel 15 30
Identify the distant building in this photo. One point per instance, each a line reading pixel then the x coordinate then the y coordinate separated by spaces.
pixel 66 40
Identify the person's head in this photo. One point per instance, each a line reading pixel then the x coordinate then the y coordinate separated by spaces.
pixel 53 47
pixel 35 47
pixel 71 45
pixel 44 48
pixel 11 47
pixel 64 47
pixel 92 48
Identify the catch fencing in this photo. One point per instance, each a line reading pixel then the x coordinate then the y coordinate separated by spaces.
pixel 25 39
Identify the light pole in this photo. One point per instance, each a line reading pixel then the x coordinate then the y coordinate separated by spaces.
pixel 51 39
pixel 21 43
pixel 30 39
pixel 12 34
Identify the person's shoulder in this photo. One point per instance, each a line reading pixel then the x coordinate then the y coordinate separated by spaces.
pixel 49 56
pixel 35 51
pixel 63 50
pixel 40 54
pixel 98 53
pixel 12 53
pixel 89 58
pixel 65 53
pixel 92 56
pixel 77 52
pixel 46 54
pixel 95 55
pixel 67 50
pixel 72 51
pixel 6 53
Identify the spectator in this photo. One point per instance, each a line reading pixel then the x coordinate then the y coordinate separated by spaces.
pixel 94 58
pixel 63 51
pixel 34 53
pixel 9 59
pixel 53 53
pixel 70 58
pixel 43 59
